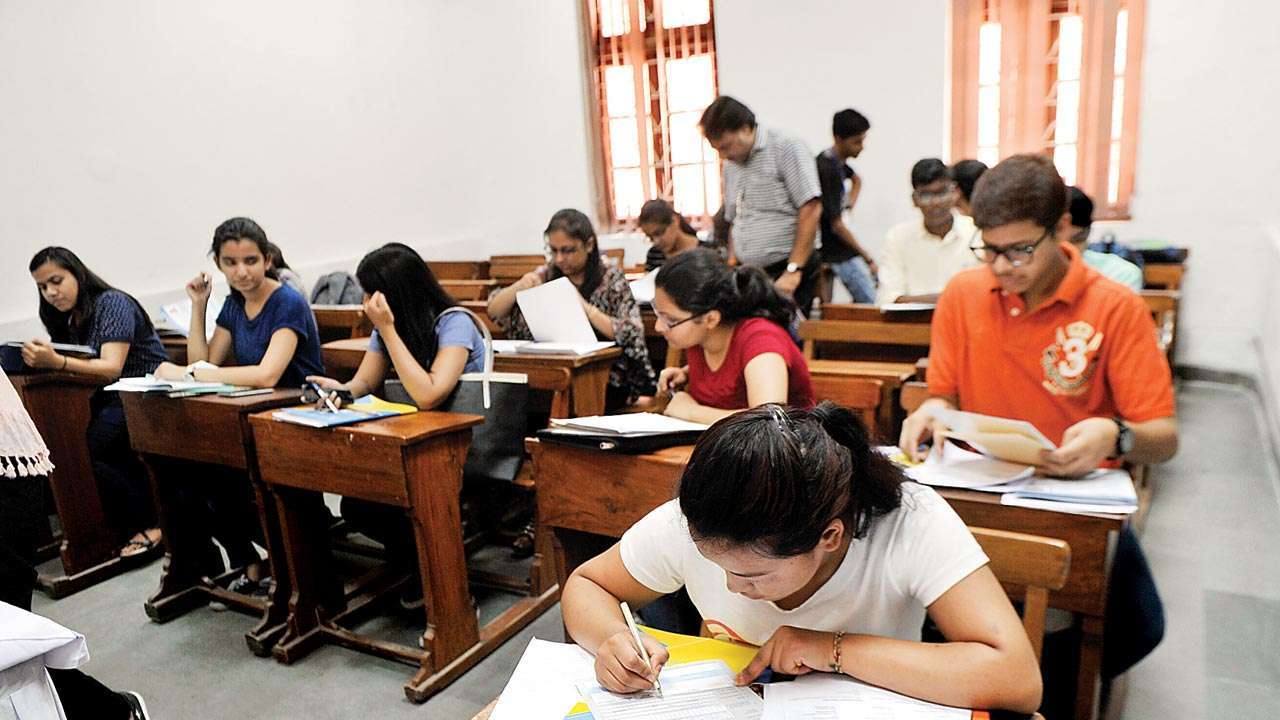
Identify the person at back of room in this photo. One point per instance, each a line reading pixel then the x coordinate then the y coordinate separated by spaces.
pixel 840 249
pixel 270 332
pixel 428 349
pixel 78 307
pixel 732 324
pixel 772 198
pixel 921 255
pixel 668 232
pixel 791 532
pixel 605 297
pixel 966 174
pixel 1074 229
pixel 284 273
pixel 1038 335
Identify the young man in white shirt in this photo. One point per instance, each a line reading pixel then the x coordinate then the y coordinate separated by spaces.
pixel 920 256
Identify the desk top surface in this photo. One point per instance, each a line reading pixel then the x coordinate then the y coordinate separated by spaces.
pixel 249 403
pixel 53 378
pixel 399 429
pixel 900 371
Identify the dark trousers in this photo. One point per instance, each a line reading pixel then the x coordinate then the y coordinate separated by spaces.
pixel 215 502
pixel 122 479
pixel 386 524
pixel 21 512
pixel 807 290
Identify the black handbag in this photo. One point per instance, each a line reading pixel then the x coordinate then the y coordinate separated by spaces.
pixel 497 444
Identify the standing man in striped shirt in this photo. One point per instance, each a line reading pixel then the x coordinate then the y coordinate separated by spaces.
pixel 772 197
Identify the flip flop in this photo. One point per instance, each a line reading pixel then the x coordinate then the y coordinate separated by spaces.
pixel 142 546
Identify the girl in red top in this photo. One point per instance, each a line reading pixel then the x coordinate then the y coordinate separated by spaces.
pixel 732 323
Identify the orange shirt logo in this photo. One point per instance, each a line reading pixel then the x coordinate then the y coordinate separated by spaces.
pixel 1068 362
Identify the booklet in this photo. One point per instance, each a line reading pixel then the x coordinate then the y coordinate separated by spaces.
pixel 364 408
pixel 1017 441
pixel 549 348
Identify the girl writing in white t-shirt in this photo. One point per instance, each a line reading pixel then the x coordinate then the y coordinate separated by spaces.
pixel 790 532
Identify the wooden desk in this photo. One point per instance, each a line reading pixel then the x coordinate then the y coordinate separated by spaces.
pixel 1163 276
pixel 870 312
pixel 576 382
pixel 891 374
pixel 587 499
pixel 410 461
pixel 214 430
pixel 459 269
pixel 59 406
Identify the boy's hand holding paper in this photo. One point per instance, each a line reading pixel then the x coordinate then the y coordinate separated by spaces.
pixel 1017 441
pixel 1085 446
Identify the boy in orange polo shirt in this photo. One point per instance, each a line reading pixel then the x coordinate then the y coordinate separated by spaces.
pixel 1038 335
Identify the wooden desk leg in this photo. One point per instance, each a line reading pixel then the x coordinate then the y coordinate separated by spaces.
pixel 1089 679
pixel 304 566
pixel 434 471
pixel 265 634
pixel 181 587
pixel 588 390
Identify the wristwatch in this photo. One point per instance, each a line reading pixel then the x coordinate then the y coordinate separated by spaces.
pixel 793 267
pixel 1124 438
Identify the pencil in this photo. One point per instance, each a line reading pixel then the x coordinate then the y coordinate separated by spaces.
pixel 644 654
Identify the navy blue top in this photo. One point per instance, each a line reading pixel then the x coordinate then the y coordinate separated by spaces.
pixel 116 318
pixel 285 308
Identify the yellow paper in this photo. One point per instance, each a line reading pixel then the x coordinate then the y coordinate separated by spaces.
pixel 372 403
pixel 691 648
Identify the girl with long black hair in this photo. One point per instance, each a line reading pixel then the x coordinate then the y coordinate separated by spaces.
pixel 732 324
pixel 78 307
pixel 429 352
pixel 791 532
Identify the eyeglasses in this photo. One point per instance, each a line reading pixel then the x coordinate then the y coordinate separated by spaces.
pixel 665 321
pixel 929 198
pixel 1017 255
pixel 564 251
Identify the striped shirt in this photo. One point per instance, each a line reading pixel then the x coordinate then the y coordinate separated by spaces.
pixel 763 196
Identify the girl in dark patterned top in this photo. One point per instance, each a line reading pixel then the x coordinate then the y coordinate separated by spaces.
pixel 606 298
pixel 77 306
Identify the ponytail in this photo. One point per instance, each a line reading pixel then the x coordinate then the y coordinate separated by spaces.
pixel 699 282
pixel 881 491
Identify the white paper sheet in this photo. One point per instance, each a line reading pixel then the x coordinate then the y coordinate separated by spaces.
pixel 554 313
pixel 176 316
pixel 542 685
pixel 644 288
pixel 693 691
pixel 823 696
pixel 1077 508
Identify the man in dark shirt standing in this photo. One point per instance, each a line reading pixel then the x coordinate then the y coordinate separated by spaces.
pixel 840 249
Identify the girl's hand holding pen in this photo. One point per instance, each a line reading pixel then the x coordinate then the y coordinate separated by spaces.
pixel 672 379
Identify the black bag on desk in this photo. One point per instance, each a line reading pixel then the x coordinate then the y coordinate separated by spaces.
pixel 626 444
pixel 497 444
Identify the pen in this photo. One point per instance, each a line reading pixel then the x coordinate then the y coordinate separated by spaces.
pixel 328 400
pixel 644 655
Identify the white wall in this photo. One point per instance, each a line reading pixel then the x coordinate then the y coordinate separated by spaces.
pixel 131 129
pixel 796 63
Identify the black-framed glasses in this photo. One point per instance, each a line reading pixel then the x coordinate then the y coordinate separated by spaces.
pixel 673 325
pixel 1017 255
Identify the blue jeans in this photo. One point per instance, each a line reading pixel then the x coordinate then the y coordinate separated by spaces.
pixel 857 279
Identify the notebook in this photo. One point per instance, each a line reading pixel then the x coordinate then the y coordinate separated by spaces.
pixel 629 433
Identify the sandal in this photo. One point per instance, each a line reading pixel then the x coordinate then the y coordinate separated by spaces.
pixel 136 547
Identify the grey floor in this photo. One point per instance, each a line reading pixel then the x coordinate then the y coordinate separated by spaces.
pixel 1213 538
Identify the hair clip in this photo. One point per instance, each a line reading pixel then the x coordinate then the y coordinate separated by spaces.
pixel 785 425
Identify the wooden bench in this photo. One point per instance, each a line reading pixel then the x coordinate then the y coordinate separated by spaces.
pixel 474 289
pixel 337 322
pixel 1033 563
pixel 507 269
pixel 459 269
pixel 865 339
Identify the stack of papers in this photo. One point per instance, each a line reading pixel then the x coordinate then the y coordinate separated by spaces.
pixel 694 690
pixel 628 425
pixel 549 348
pixel 907 307
pixel 1102 491
pixel 150 383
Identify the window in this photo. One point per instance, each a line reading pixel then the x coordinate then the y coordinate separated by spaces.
pixel 654 70
pixel 1054 76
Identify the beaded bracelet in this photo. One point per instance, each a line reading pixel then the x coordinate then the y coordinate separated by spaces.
pixel 835 666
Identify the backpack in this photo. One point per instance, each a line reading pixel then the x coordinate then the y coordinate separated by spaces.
pixel 337 288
